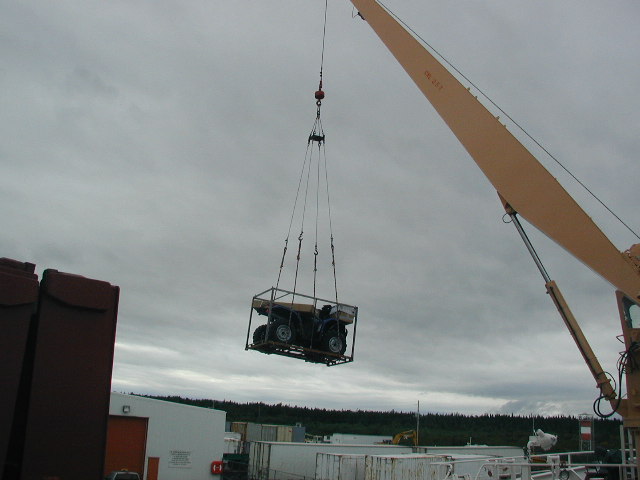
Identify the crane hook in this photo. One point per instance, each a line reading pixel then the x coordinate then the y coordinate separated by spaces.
pixel 319 93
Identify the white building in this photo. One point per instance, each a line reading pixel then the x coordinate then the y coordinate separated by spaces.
pixel 166 440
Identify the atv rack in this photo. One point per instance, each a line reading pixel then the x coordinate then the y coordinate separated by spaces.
pixel 310 319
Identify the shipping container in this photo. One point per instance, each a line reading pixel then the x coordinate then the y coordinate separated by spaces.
pixel 285 461
pixel 74 340
pixel 285 433
pixel 298 434
pixel 400 467
pixel 360 439
pixel 254 432
pixel 269 433
pixel 336 466
pixel 241 428
pixel 18 298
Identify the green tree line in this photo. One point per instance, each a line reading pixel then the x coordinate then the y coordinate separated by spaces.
pixel 450 429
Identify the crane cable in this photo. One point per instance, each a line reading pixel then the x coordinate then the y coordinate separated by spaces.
pixel 316 136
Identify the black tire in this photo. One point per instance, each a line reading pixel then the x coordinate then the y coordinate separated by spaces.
pixel 260 334
pixel 281 331
pixel 334 342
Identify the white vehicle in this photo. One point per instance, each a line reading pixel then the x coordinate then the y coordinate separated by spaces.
pixel 122 475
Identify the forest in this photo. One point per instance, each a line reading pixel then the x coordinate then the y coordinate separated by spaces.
pixel 450 429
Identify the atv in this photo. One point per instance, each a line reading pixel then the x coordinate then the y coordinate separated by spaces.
pixel 301 325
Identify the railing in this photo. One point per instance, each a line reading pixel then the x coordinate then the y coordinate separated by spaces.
pixel 565 466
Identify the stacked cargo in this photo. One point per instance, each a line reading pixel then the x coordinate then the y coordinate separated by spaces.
pixel 284 461
pixel 286 434
pixel 257 432
pixel 241 428
pixel 323 461
pixel 339 466
pixel 353 439
pixel 405 467
pixel 254 432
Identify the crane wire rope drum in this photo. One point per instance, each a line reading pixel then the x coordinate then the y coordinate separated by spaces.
pixel 299 325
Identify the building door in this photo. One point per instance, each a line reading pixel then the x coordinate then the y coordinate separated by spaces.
pixel 126 444
pixel 153 465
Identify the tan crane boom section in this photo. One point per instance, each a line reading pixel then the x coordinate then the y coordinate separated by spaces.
pixel 514 172
pixel 523 184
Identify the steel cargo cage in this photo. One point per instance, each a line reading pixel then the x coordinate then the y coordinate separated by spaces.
pixel 302 326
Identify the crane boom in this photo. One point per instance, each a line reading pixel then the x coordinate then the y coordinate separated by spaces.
pixel 527 188
pixel 514 172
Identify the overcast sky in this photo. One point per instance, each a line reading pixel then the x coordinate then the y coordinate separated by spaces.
pixel 157 145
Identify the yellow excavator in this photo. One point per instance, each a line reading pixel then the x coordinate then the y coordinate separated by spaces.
pixel 408 435
pixel 527 189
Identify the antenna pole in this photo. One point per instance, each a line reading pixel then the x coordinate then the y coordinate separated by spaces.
pixel 418 424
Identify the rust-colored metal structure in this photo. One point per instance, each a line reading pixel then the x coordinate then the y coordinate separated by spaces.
pixel 18 300
pixel 527 188
pixel 63 360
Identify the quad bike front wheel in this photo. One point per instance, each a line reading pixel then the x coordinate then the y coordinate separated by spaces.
pixel 281 331
pixel 260 334
pixel 259 337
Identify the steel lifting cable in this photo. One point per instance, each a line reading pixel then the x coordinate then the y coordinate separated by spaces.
pixel 324 36
pixel 304 211
pixel 321 167
pixel 293 212
pixel 315 248
pixel 317 136
pixel 306 167
pixel 307 162
pixel 333 254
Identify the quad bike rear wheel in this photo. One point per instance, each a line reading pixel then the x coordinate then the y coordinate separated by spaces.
pixel 334 342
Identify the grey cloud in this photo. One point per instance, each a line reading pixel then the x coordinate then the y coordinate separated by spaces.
pixel 157 145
